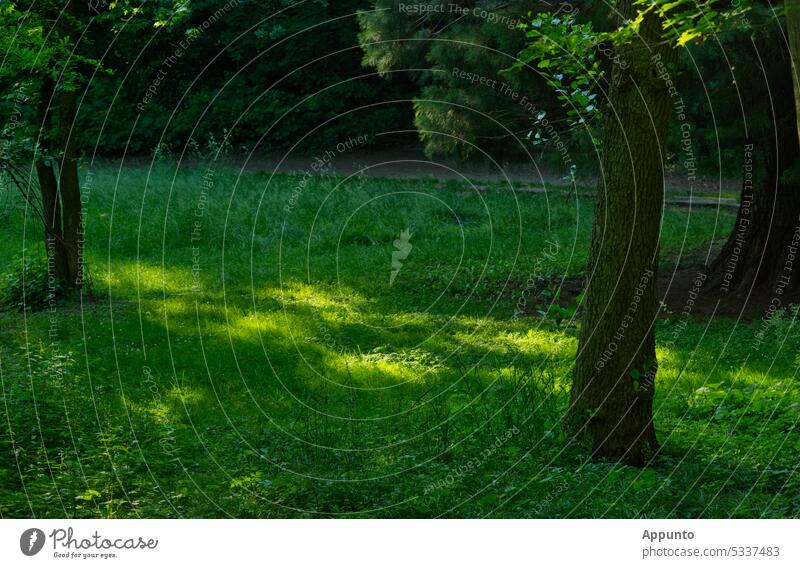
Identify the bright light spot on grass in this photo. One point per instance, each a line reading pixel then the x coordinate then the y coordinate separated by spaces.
pixel 128 276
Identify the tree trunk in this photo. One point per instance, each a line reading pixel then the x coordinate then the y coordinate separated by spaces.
pixel 761 248
pixel 57 257
pixel 611 401
pixel 766 226
pixel 69 189
pixel 61 197
pixel 793 36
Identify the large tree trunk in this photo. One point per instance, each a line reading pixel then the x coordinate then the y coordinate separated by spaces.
pixel 757 249
pixel 761 250
pixel 611 402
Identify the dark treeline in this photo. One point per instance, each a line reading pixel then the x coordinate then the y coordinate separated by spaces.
pixel 268 74
pixel 276 75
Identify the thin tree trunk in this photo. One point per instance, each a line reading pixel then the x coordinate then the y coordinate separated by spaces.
pixel 57 257
pixel 611 401
pixel 69 189
pixel 69 183
pixel 793 34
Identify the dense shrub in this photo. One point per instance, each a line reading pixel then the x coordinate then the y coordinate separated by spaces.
pixel 28 285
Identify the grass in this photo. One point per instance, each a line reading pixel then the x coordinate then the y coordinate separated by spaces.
pixel 242 353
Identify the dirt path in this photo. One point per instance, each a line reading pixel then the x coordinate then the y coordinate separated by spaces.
pixel 527 177
pixel 411 163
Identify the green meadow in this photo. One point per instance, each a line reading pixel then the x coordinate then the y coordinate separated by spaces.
pixel 259 345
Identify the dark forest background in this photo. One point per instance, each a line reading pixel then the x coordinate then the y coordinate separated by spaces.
pixel 230 82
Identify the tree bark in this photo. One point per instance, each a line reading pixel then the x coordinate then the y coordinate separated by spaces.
pixel 57 257
pixel 793 36
pixel 757 249
pixel 61 197
pixel 69 189
pixel 760 250
pixel 611 401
